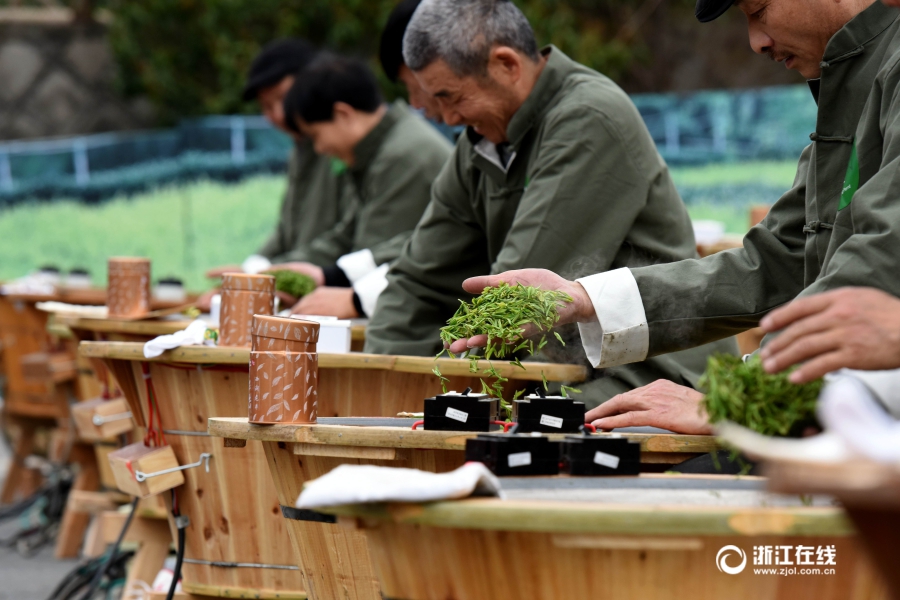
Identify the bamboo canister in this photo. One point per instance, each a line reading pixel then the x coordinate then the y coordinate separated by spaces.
pixel 283 381
pixel 242 297
pixel 128 292
pixel 276 334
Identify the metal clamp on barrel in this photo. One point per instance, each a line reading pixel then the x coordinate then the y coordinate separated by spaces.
pixel 204 458
pixel 99 420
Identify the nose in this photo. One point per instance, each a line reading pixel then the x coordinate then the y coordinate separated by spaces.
pixel 451 117
pixel 759 39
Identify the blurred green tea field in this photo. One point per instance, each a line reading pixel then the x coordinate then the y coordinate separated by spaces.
pixel 188 229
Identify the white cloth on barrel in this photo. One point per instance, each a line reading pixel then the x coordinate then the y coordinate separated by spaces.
pixel 193 335
pixel 359 484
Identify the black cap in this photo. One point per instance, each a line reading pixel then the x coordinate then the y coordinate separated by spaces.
pixel 276 61
pixel 391 52
pixel 710 10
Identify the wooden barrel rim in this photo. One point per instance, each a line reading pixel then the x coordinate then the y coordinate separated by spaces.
pixel 404 364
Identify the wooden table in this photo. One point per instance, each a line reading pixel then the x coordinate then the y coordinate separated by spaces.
pixel 136 331
pixel 870 494
pixel 335 560
pixel 194 383
pixel 649 538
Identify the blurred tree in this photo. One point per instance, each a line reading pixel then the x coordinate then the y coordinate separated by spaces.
pixel 190 56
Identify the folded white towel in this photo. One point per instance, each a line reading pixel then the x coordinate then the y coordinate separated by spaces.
pixel 193 335
pixel 356 484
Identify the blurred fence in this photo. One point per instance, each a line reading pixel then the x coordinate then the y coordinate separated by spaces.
pixel 689 129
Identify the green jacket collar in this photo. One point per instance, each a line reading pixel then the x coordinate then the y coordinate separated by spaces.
pixel 550 80
pixel 548 84
pixel 850 40
pixel 366 150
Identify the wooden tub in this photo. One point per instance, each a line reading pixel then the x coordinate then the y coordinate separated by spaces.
pixel 649 538
pixel 235 510
pixel 335 560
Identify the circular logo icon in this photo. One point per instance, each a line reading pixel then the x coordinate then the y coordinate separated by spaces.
pixel 722 560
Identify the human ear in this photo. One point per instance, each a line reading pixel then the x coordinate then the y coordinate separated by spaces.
pixel 505 64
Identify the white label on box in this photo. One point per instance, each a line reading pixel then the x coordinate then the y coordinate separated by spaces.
pixel 519 459
pixel 606 460
pixel 551 421
pixel 456 415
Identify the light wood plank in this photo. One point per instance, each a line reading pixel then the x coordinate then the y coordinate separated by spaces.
pixel 403 364
pixel 584 517
pixel 676 446
pixel 365 452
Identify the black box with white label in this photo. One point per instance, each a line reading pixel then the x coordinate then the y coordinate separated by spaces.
pixel 515 454
pixel 600 455
pixel 461 412
pixel 551 414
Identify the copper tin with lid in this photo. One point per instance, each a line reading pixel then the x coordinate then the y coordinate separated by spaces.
pixel 239 306
pixel 284 335
pixel 283 387
pixel 243 282
pixel 128 290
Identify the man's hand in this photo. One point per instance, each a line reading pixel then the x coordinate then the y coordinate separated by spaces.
pixel 304 268
pixel 579 310
pixel 217 272
pixel 205 300
pixel 661 404
pixel 854 328
pixel 329 302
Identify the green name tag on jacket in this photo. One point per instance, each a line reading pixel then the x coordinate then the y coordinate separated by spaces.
pixel 851 181
pixel 338 166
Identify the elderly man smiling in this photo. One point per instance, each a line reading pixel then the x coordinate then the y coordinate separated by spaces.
pixel 556 170
pixel 839 225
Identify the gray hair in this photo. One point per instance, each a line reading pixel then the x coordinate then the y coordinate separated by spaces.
pixel 463 32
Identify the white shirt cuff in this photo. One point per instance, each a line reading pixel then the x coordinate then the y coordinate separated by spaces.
pixel 357 265
pixel 620 335
pixel 255 263
pixel 370 287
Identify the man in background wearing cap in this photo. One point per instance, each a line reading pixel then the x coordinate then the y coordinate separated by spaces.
pixel 838 226
pixel 318 194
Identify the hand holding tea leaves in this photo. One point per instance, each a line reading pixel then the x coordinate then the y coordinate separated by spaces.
pixel 577 307
pixel 500 314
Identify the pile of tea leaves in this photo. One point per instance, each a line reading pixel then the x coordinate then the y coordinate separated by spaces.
pixel 293 283
pixel 744 393
pixel 500 313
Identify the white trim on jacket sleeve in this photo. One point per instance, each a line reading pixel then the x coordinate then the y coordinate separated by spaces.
pixel 620 335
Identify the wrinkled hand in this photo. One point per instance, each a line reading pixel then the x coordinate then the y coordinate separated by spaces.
pixel 285 299
pixel 661 404
pixel 854 328
pixel 304 268
pixel 217 272
pixel 328 302
pixel 579 310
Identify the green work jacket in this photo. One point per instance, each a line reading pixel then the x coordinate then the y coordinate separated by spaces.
pixel 394 168
pixel 317 198
pixel 820 235
pixel 585 190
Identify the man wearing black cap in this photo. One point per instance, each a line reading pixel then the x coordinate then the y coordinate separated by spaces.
pixel 838 226
pixel 318 193
pixel 391 56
